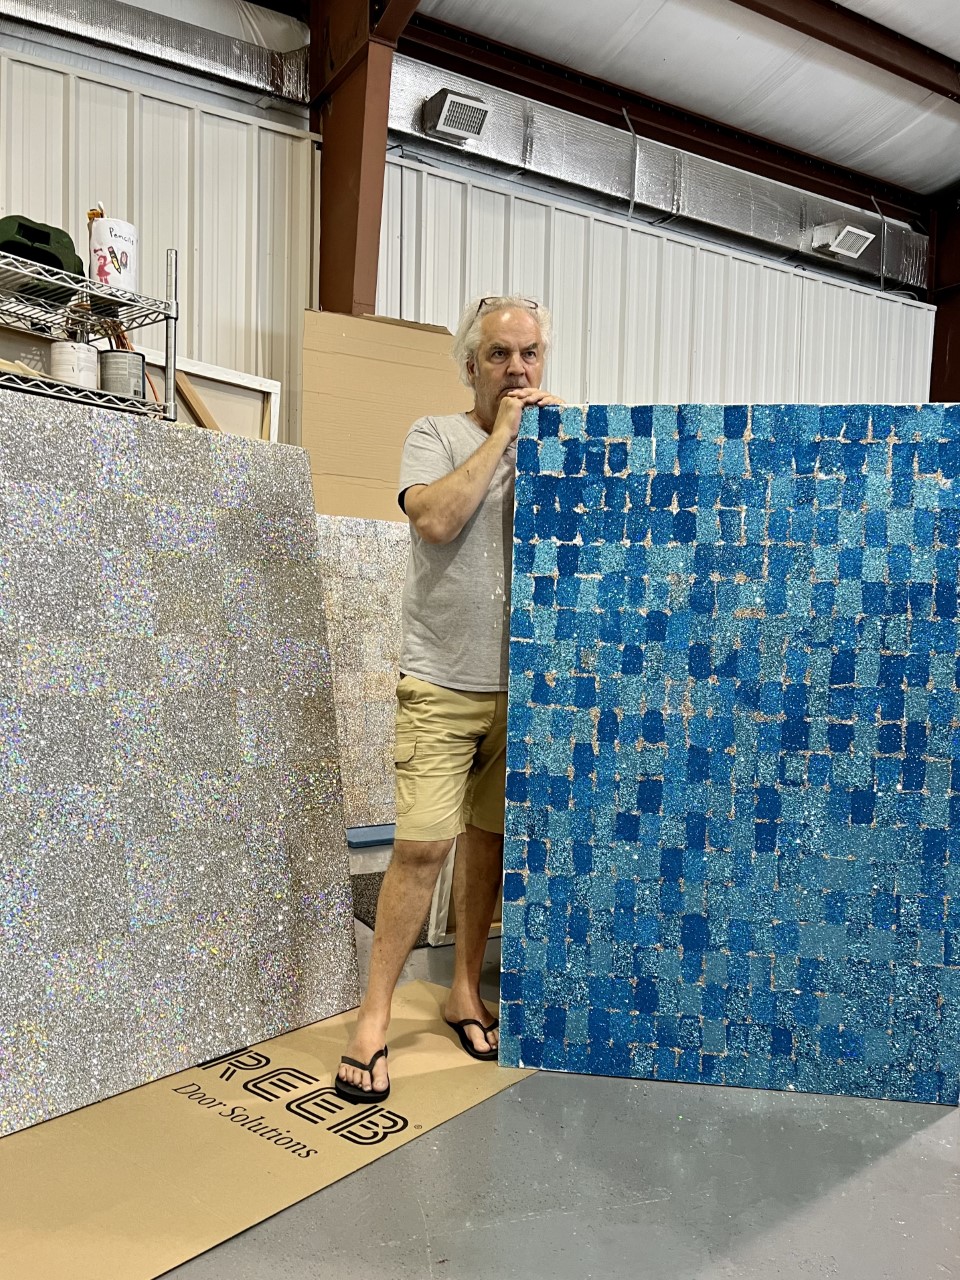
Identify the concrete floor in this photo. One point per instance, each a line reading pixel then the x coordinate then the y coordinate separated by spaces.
pixel 573 1177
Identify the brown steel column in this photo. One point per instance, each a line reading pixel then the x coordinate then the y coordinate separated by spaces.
pixel 351 57
pixel 945 235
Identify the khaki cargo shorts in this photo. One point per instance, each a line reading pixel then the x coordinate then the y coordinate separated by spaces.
pixel 450 760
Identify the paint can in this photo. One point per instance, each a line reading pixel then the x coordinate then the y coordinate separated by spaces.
pixel 122 373
pixel 113 253
pixel 75 363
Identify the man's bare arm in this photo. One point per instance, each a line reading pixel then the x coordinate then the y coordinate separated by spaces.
pixel 439 511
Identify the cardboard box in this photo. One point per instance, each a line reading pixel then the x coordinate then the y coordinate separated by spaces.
pixel 366 379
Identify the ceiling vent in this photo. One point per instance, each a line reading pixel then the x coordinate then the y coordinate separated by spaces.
pixel 841 239
pixel 456 117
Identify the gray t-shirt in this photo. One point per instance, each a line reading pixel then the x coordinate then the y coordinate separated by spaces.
pixel 456 600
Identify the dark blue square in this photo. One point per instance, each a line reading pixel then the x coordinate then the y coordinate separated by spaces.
pixel 617 457
pixel 649 795
pixel 695 827
pixel 516 788
pixel 573 453
pixel 536 856
pixel 653 727
pixel 768 804
pixel 765 836
pixel 596 459
pixel 554 1022
pixel 584 691
pixel 694 933
pixel 641 417
pixel 596 420
pixel 656 626
pixel 685 527
pixel 662 490
pixel 843 668
pixel 862 804
pixel 671 865
pixel 913 773
pixel 514 886
pixel 735 421
pixel 795 735
pixel 686 487
pixel 626 826
pixel 949 458
pixel 632 662
pixel 698 661
pixel 582 858
pixel 698 764
pixel 646 998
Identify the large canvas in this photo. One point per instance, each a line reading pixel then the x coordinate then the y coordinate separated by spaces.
pixel 734 764
pixel 173 871
pixel 363 564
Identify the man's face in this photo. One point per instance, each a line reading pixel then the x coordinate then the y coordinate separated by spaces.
pixel 510 355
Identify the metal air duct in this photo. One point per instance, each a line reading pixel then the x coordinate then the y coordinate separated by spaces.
pixel 161 39
pixel 568 154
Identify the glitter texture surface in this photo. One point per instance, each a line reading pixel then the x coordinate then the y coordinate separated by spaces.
pixel 734 748
pixel 173 877
pixel 363 564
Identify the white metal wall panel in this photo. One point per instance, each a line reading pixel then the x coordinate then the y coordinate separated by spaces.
pixel 487 230
pixel 639 379
pixel 231 192
pixel 530 236
pixel 227 231
pixel 33 111
pixel 444 249
pixel 164 212
pixel 716 317
pixel 641 314
pixel 389 265
pixel 567 294
pixel 607 303
pixel 675 321
pixel 413 233
pixel 102 150
pixel 284 197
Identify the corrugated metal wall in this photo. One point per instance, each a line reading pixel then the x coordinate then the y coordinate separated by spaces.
pixel 232 193
pixel 642 315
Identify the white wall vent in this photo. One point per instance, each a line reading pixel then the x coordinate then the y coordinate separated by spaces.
pixel 454 116
pixel 841 239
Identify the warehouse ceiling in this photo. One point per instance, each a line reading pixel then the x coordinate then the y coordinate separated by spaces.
pixel 722 60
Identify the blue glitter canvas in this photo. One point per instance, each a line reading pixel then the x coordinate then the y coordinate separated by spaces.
pixel 734 748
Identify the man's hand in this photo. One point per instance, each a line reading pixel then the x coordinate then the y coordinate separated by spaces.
pixel 513 404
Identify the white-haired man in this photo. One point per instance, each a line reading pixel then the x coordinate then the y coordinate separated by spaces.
pixel 456 488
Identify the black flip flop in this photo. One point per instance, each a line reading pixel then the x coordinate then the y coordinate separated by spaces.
pixel 458 1027
pixel 352 1092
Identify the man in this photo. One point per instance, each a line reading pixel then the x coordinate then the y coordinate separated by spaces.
pixel 456 488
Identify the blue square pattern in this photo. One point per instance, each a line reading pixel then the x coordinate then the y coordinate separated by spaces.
pixel 734 748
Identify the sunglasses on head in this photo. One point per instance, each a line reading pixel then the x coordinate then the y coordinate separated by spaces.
pixel 531 303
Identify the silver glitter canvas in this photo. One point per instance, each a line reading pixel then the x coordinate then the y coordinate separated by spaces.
pixel 173 871
pixel 363 564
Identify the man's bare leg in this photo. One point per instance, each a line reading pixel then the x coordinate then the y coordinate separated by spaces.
pixel 478 870
pixel 401 910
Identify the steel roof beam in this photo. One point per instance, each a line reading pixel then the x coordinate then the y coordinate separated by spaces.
pixel 865 39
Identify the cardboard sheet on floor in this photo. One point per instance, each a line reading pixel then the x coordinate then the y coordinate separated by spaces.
pixel 135 1185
